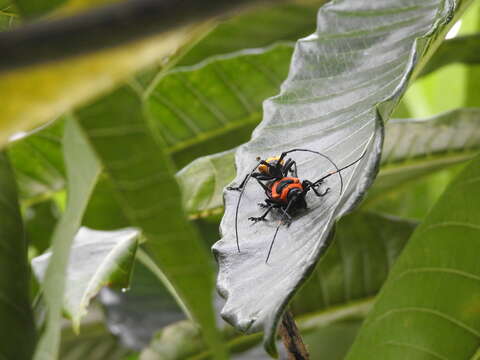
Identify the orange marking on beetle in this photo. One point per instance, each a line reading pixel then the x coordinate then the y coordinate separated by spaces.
pixel 285 184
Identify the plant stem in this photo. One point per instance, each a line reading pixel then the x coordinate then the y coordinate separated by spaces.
pixel 292 339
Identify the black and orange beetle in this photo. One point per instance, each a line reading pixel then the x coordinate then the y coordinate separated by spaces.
pixel 284 189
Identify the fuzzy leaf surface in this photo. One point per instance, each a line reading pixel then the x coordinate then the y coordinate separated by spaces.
pixel 344 80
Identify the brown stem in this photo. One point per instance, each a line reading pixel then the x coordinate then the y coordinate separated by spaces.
pixel 291 338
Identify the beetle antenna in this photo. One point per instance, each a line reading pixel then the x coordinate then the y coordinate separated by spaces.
pixel 276 231
pixel 338 171
pixel 240 198
pixel 273 240
pixel 326 157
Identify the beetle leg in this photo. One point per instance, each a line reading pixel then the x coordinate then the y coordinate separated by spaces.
pixel 262 217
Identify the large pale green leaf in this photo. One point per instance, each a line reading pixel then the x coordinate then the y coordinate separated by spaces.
pixel 342 286
pixel 15 311
pixel 97 259
pixel 344 80
pixel 144 184
pixel 82 172
pixel 428 306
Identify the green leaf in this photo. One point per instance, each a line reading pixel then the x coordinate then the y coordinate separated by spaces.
pixel 461 49
pixel 15 311
pixel 82 172
pixel 428 306
pixel 97 259
pixel 332 342
pixel 473 72
pixel 415 148
pixel 144 184
pixel 344 80
pixel 35 8
pixel 203 180
pixel 445 89
pixel 414 199
pixel 256 29
pixel 175 342
pixel 40 220
pixel 103 210
pixel 38 163
pixel 94 343
pixel 8 15
pixel 224 96
pixel 356 264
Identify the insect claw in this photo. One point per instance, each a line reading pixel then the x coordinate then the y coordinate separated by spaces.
pixel 256 219
pixel 325 192
pixel 263 205
pixel 234 188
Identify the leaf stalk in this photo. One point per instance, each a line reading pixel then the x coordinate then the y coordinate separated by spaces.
pixel 292 339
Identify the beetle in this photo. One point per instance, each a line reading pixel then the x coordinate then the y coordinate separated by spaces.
pixel 283 188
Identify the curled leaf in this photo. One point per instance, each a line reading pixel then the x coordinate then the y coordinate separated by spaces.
pixel 344 81
pixel 97 258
